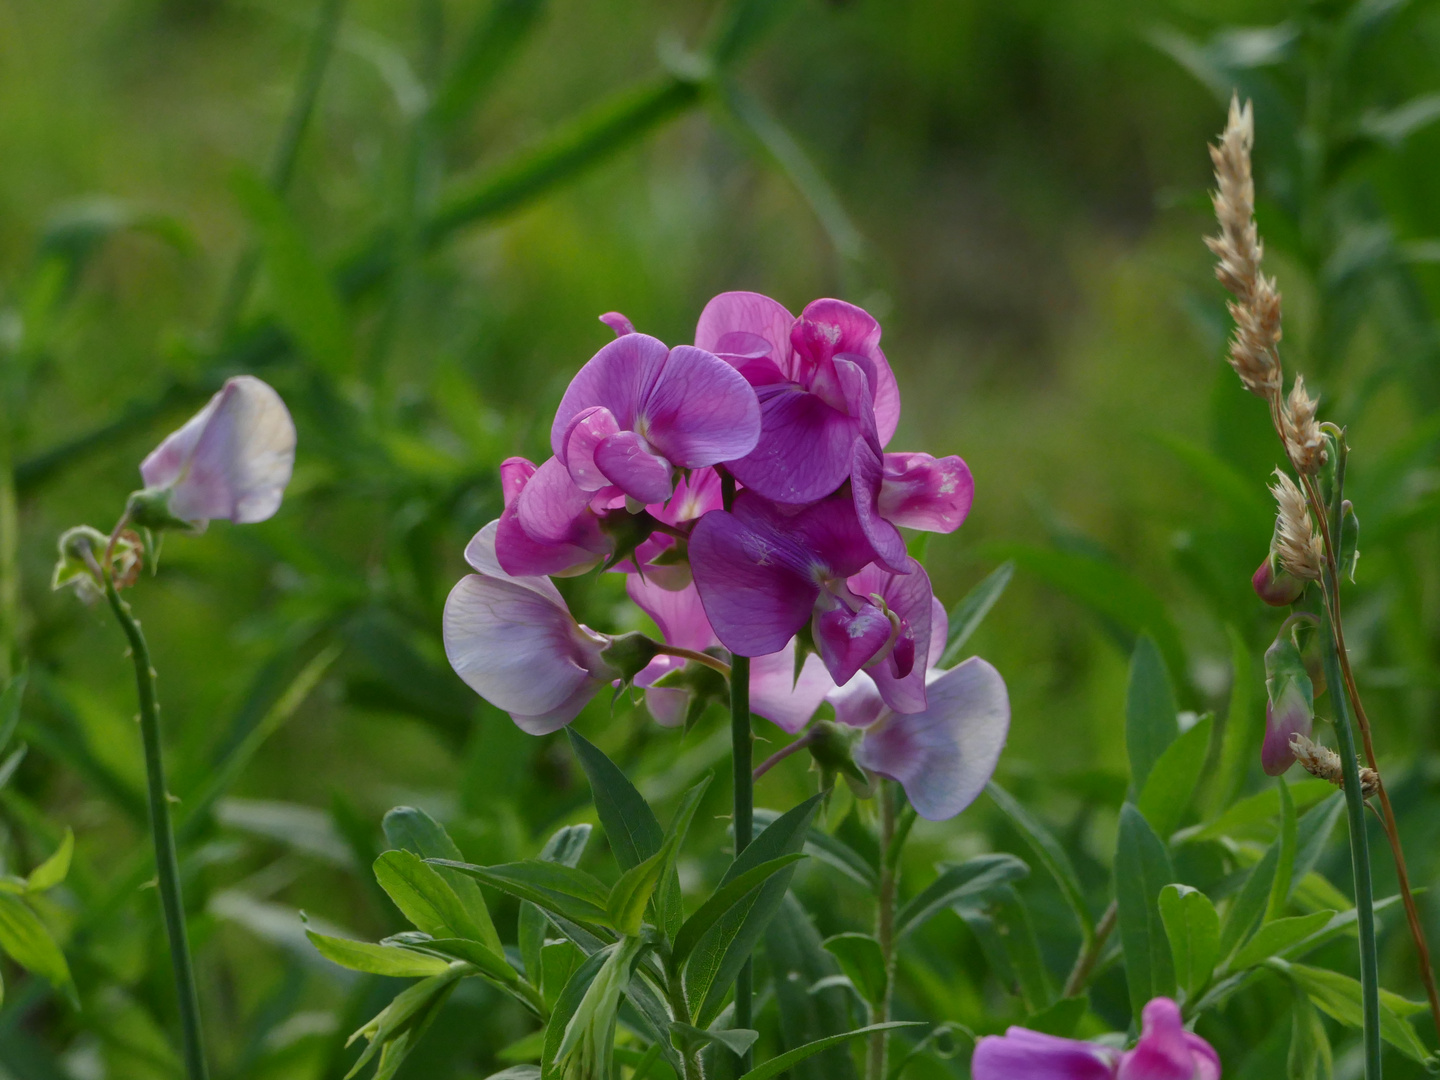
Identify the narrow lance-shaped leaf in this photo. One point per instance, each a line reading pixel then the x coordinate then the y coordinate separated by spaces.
pixel 1150 712
pixel 807 1012
pixel 959 884
pixel 1338 996
pixel 571 893
pixel 565 846
pixel 377 959
pixel 53 870
pixel 1142 870
pixel 1171 785
pixel 725 898
pixel 777 1065
pixel 1275 937
pixel 970 612
pixel 414 830
pixel 861 960
pixel 1283 885
pixel 1193 927
pixel 1050 853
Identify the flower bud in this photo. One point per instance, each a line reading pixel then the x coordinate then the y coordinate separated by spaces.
pixel 1276 585
pixel 81 550
pixel 1290 709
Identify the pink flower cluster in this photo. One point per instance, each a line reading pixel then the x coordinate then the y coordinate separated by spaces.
pixel 792 417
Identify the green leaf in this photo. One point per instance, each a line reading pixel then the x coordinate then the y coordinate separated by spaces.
pixel 742 25
pixel 797 963
pixel 552 886
pixel 413 830
pixel 1002 923
pixel 24 937
pixel 424 897
pixel 1150 711
pixel 970 612
pixel 567 1004
pixel 1171 785
pixel 1142 870
pixel 777 1065
pixel 10 699
pixel 830 850
pixel 631 894
pixel 630 825
pixel 1248 908
pixel 723 900
pixel 1050 853
pixel 1309 1057
pixel 1253 817
pixel 736 1040
pixel 670 903
pixel 1284 883
pixel 1275 937
pixel 1311 835
pixel 565 846
pixel 53 870
pixel 1341 923
pixel 959 884
pixel 1106 589
pixel 724 949
pixel 1338 996
pixel 407 1015
pixel 377 959
pixel 1193 927
pixel 1240 736
pixel 305 299
pixel 473 952
pixel 517 1072
pixel 862 961
pixel 558 961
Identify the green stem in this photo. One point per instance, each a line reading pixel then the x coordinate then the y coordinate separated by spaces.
pixel 885 925
pixel 742 752
pixel 9 565
pixel 166 864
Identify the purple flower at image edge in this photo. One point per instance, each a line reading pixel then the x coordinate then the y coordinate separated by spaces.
pixel 1165 1051
pixel 514 642
pixel 231 460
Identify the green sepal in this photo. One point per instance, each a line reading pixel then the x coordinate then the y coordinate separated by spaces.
pixel 149 508
pixel 1349 540
pixel 629 654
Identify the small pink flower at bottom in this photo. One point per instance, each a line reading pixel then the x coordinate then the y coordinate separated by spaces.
pixel 231 460
pixel 1166 1051
pixel 515 643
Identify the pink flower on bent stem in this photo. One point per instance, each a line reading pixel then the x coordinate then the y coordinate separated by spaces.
pixel 515 643
pixel 231 460
pixel 639 410
pixel 822 382
pixel 1166 1051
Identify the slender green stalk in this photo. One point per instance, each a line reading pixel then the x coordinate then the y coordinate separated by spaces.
pixel 1359 857
pixel 885 926
pixel 9 551
pixel 742 751
pixel 167 865
pixel 287 149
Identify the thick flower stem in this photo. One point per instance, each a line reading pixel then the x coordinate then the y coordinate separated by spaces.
pixel 166 864
pixel 742 752
pixel 885 926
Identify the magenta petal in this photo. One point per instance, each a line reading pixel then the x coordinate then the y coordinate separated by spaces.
pixel 552 509
pixel 679 614
pixel 922 492
pixel 1164 1052
pixel 909 596
pixel 746 313
pixel 617 322
pixel 620 377
pixel 1289 716
pixel 587 431
pixel 849 640
pixel 701 411
pixel 804 448
pixel 518 649
pixel 829 529
pixel 515 473
pixel 634 468
pixel 1021 1054
pixel 696 494
pixel 1207 1061
pixel 866 474
pixel 753 583
pixel 521 556
pixel 944 756
pixel 480 553
pixel 778 696
pixel 828 329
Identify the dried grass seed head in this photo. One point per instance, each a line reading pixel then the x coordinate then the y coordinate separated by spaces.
pixel 1296 543
pixel 1303 441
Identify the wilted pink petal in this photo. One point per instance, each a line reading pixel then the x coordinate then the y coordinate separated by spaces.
pixel 945 755
pixel 1166 1051
pixel 232 459
pixel 515 643
pixel 1021 1054
pixel 777 695
pixel 617 322
pixel 922 492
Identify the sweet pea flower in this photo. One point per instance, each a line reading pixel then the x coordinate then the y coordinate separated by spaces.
pixel 764 570
pixel 1166 1051
pixel 944 754
pixel 1290 700
pixel 232 459
pixel 775 691
pixel 662 558
pixel 515 643
pixel 639 410
pixel 821 380
pixel 549 525
pixel 915 490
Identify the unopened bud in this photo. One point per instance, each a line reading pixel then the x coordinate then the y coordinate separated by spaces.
pixel 1275 585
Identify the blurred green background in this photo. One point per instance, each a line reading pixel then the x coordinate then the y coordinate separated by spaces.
pixel 1017 190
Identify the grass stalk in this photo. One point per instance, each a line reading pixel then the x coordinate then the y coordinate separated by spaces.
pixel 885 927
